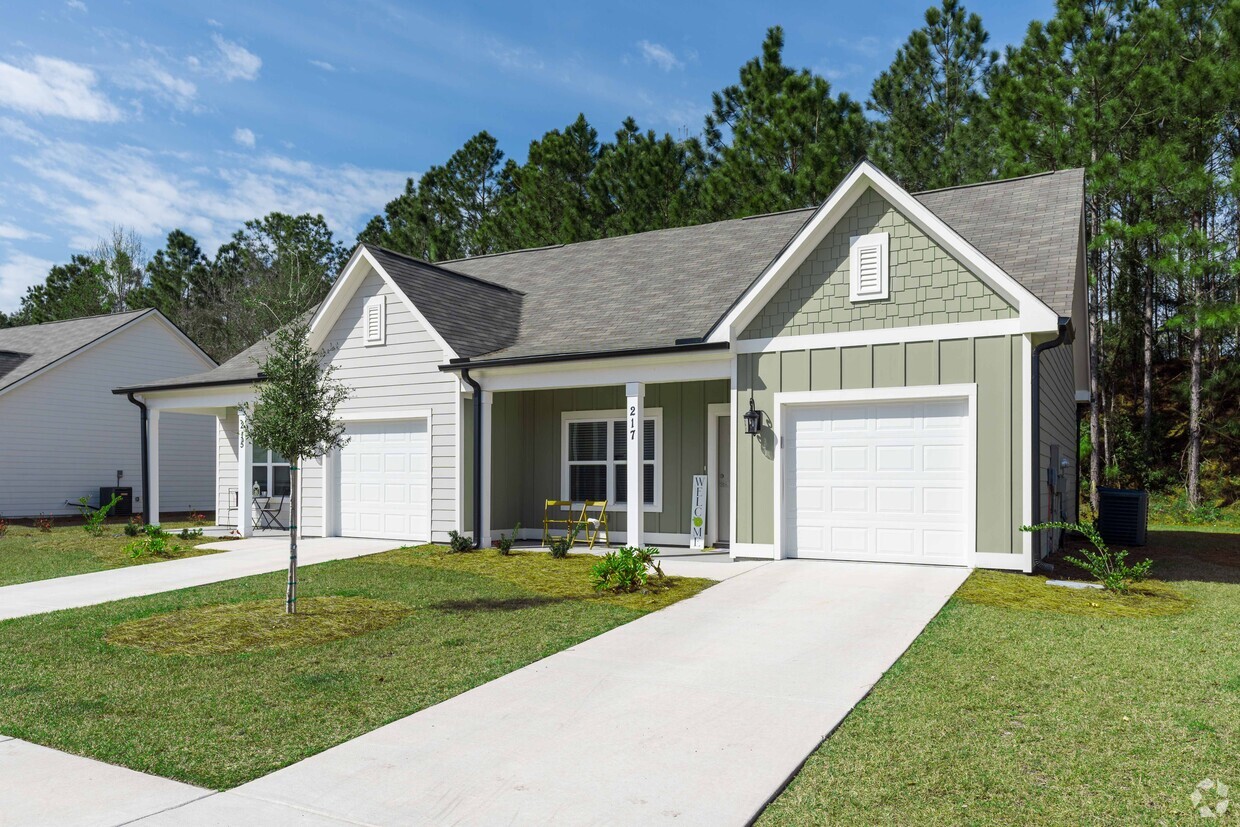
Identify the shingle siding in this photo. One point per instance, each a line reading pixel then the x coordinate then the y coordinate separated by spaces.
pixel 927 285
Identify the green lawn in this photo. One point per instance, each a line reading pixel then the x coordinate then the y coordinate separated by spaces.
pixel 1004 716
pixel 28 554
pixel 222 719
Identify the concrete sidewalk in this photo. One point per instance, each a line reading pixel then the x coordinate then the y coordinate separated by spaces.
pixel 696 714
pixel 240 558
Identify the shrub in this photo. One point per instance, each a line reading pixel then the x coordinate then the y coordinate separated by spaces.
pixel 4 527
pixel 459 542
pixel 562 545
pixel 134 527
pixel 95 519
pixel 1107 567
pixel 44 523
pixel 197 517
pixel 624 570
pixel 190 533
pixel 506 541
pixel 154 541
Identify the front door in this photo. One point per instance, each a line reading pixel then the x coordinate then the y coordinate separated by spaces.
pixel 723 502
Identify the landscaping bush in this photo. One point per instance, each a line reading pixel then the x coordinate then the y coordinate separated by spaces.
pixel 44 524
pixel 624 570
pixel 95 519
pixel 154 541
pixel 134 527
pixel 191 533
pixel 4 527
pixel 506 542
pixel 561 546
pixel 459 542
pixel 1107 567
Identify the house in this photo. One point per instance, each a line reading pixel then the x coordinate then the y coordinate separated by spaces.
pixel 65 435
pixel 913 365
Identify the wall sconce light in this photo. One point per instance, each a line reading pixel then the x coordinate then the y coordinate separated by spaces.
pixel 753 420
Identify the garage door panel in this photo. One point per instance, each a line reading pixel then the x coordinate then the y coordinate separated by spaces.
pixel 893 486
pixel 384 480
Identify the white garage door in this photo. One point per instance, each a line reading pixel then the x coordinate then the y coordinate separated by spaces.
pixel 881 481
pixel 385 480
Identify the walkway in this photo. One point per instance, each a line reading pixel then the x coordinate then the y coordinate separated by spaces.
pixel 241 558
pixel 697 714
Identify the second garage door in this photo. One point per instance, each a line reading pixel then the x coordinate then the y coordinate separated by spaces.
pixel 385 480
pixel 881 481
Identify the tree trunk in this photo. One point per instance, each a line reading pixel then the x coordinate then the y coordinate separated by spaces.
pixel 1147 367
pixel 290 597
pixel 1194 411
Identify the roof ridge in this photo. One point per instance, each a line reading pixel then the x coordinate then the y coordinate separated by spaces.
pixel 448 270
pixel 84 318
pixel 997 181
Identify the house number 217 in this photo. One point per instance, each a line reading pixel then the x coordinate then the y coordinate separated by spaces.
pixel 632 422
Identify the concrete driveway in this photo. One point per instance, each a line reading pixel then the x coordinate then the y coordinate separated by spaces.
pixel 240 558
pixel 697 714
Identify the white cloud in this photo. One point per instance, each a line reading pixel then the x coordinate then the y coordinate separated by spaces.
pixel 76 5
pixel 148 76
pixel 55 87
pixel 244 137
pixel 659 55
pixel 323 64
pixel 234 61
pixel 12 232
pixel 17 272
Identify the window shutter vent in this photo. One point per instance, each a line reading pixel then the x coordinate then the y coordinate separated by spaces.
pixel 375 321
pixel 868 271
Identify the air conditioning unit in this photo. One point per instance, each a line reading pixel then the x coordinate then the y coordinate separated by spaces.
pixel 1123 515
pixel 124 508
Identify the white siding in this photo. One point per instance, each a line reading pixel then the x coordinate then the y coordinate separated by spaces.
pixel 401 375
pixel 1058 427
pixel 226 469
pixel 65 433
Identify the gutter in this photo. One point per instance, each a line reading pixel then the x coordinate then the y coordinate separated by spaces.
pixel 1065 335
pixel 215 383
pixel 146 501
pixel 463 364
pixel 473 383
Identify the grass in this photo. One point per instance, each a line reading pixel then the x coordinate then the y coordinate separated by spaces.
pixel 1000 714
pixel 28 554
pixel 257 626
pixel 1016 591
pixel 219 720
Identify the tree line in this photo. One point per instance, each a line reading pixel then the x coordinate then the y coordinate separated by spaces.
pixel 1142 95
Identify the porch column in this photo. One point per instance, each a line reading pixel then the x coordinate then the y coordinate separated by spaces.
pixel 152 458
pixel 484 534
pixel 245 482
pixel 635 411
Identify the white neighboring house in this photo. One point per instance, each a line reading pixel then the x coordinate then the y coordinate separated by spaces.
pixel 65 434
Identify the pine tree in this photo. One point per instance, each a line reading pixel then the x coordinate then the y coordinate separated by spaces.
pixel 934 130
pixel 70 291
pixel 643 182
pixel 173 275
pixel 778 139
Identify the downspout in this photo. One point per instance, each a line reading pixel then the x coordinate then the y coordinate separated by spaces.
pixel 146 513
pixel 1035 493
pixel 473 383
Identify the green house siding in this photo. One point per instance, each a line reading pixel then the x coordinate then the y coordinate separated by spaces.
pixel 527 443
pixel 994 363
pixel 928 286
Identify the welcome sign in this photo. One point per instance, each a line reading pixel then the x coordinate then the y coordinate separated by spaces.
pixel 697 513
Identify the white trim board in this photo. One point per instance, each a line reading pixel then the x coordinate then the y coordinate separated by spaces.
pixel 383 414
pixel 714 412
pixel 881 336
pixel 346 285
pixel 963 390
pixel 1034 313
pixel 619 371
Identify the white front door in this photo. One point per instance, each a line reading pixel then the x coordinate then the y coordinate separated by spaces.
pixel 878 481
pixel 385 480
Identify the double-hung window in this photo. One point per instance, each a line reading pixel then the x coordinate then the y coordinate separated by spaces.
pixel 596 458
pixel 271 475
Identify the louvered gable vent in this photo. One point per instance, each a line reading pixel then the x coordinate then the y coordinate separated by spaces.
pixel 375 321
pixel 868 268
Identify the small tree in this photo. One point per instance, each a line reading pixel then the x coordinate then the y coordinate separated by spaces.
pixel 294 415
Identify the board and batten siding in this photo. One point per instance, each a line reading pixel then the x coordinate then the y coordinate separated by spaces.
pixel 65 434
pixel 401 375
pixel 994 363
pixel 1058 421
pixel 526 439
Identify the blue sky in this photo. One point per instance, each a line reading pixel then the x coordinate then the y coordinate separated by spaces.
pixel 201 115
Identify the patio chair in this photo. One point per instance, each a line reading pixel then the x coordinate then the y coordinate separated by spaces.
pixel 591 525
pixel 269 509
pixel 565 522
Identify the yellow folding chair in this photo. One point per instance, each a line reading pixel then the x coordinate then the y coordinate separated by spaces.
pixel 565 522
pixel 592 525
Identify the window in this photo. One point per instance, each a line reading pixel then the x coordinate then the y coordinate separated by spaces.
pixel 596 458
pixel 270 473
pixel 375 321
pixel 867 268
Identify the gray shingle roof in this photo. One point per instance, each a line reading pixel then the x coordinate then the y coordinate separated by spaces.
pixel 474 316
pixel 1028 226
pixel 29 349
